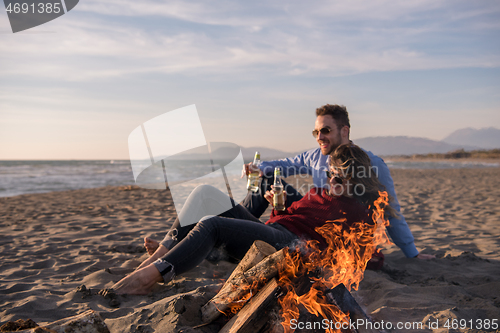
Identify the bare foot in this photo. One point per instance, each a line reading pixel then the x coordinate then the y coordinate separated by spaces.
pixel 139 282
pixel 151 245
pixel 160 252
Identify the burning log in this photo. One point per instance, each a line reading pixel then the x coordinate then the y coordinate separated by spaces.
pixel 258 251
pixel 241 287
pixel 347 304
pixel 255 314
pixel 309 299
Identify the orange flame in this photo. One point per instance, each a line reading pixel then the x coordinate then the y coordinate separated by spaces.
pixel 236 305
pixel 343 261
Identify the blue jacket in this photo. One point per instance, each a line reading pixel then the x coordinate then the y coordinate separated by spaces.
pixel 314 163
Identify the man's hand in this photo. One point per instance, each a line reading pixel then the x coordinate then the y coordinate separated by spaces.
pixel 249 167
pixel 270 194
pixel 425 256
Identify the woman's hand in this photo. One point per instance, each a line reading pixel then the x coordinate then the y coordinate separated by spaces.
pixel 270 194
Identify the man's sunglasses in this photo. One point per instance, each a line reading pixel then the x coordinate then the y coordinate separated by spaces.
pixel 331 175
pixel 324 131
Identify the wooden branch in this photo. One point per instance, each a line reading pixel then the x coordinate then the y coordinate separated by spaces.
pixel 87 322
pixel 241 285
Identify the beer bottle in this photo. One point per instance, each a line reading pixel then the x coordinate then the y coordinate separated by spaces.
pixel 278 198
pixel 253 176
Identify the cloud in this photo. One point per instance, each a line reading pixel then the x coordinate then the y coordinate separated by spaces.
pixel 120 38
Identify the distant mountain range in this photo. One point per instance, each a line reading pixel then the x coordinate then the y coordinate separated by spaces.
pixel 406 145
pixel 265 153
pixel 230 151
pixel 487 138
pixel 467 138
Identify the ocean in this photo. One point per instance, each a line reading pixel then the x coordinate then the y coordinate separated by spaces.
pixel 25 177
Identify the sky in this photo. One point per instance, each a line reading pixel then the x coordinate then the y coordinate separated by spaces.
pixel 76 87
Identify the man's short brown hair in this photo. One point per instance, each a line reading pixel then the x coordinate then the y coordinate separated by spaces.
pixel 338 112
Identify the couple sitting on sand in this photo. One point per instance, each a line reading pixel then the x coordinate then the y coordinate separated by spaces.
pixel 332 198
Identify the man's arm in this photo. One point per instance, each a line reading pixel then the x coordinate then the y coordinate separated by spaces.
pixel 398 229
pixel 289 166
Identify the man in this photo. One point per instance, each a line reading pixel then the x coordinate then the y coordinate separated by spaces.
pixel 331 129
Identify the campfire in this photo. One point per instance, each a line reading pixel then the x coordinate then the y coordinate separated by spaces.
pixel 306 284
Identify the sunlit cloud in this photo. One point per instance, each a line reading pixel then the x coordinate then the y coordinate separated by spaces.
pixel 322 38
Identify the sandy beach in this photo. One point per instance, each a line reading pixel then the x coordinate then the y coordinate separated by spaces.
pixel 53 243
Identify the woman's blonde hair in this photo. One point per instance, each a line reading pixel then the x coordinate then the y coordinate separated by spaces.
pixel 353 164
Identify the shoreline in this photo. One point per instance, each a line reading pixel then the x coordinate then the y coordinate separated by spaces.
pixel 477 164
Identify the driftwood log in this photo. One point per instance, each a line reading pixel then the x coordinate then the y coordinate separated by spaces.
pixel 242 286
pixel 87 322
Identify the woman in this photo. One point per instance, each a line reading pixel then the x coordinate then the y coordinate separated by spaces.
pixel 353 189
